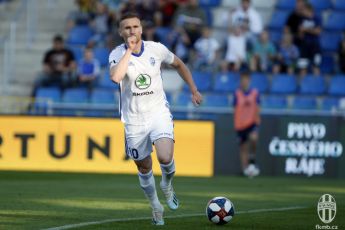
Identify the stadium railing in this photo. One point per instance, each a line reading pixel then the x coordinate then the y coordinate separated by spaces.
pixel 9 37
pixel 50 108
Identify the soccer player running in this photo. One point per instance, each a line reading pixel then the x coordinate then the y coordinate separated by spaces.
pixel 246 121
pixel 136 66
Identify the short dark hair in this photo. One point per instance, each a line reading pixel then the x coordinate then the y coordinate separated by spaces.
pixel 309 6
pixel 128 15
pixel 245 73
pixel 58 38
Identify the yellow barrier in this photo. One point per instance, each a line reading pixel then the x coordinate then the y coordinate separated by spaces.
pixel 94 145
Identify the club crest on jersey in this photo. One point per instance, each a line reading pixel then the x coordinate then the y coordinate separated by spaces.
pixel 130 64
pixel 152 61
pixel 143 81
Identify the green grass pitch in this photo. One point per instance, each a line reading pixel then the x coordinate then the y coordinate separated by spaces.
pixel 104 201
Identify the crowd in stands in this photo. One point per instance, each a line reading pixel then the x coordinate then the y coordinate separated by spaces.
pixel 294 48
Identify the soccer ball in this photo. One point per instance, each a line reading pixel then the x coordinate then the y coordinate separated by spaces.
pixel 220 210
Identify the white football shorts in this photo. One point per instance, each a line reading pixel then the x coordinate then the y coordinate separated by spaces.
pixel 139 138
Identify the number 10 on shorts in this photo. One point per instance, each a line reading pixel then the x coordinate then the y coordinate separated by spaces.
pixel 132 152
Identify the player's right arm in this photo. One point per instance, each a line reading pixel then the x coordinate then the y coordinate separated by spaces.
pixel 118 71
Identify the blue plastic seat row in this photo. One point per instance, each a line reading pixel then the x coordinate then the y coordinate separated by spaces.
pixel 317 4
pixel 280 84
pixel 77 95
pixel 220 100
pixel 299 102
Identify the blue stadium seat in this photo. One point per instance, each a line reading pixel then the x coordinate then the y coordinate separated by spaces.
pixel 163 35
pixel 330 103
pixel 183 99
pixel 313 85
pixel 335 21
pixel 209 3
pixel 209 16
pixel 203 81
pixel 105 82
pixel 337 86
pixel 278 19
pixel 339 5
pixel 283 84
pixel 274 102
pixel 44 96
pixel 226 82
pixel 286 4
pixel 319 5
pixel 276 36
pixel 79 35
pixel 304 103
pixel 77 51
pixel 52 93
pixel 102 55
pixel 75 96
pixel 329 41
pixel 216 100
pixel 259 81
pixel 103 96
pixel 328 64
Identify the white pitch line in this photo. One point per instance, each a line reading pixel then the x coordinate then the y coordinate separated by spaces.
pixel 70 226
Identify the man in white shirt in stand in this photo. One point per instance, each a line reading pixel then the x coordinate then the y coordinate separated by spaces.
pixel 136 66
pixel 249 19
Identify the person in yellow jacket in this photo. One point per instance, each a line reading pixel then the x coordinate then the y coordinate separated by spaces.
pixel 246 122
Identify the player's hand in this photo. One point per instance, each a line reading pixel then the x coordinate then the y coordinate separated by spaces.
pixel 196 98
pixel 132 42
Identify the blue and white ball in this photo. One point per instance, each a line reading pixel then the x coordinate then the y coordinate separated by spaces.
pixel 220 210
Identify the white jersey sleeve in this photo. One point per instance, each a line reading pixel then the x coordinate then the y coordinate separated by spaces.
pixel 166 55
pixel 116 55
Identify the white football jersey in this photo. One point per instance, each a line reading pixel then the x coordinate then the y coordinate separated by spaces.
pixel 141 90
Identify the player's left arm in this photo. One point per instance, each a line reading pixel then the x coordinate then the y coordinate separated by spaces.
pixel 186 75
pixel 258 102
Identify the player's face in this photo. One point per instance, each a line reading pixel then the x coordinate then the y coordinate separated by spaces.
pixel 131 27
pixel 245 81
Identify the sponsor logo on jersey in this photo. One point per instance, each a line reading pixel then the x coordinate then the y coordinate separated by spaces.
pixel 142 94
pixel 152 61
pixel 143 81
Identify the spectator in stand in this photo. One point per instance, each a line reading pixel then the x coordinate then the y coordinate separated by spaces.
pixel 287 56
pixel 235 55
pixel 250 21
pixel 264 54
pixel 206 48
pixel 88 70
pixel 128 6
pixel 82 15
pixel 190 18
pixel 294 20
pixel 149 32
pixel 100 25
pixel 309 33
pixel 58 66
pixel 147 9
pixel 341 54
pixel 166 11
pixel 114 6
